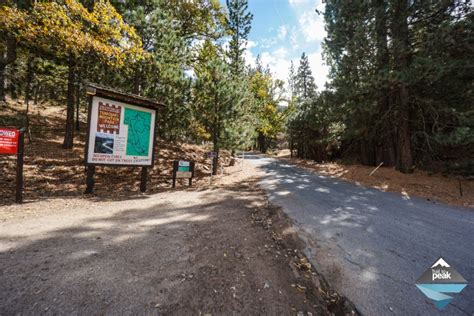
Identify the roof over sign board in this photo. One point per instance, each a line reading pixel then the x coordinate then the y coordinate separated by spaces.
pixel 101 91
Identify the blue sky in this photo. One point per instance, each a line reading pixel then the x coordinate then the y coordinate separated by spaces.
pixel 282 30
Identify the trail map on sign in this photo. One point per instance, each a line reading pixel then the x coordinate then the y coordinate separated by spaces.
pixel 138 132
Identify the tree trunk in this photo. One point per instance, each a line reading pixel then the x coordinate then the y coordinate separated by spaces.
pixel 291 147
pixel 7 56
pixel 69 134
pixel 2 82
pixel 405 160
pixel 12 82
pixel 215 135
pixel 262 143
pixel 366 152
pixel 136 81
pixel 29 79
pixel 36 93
pixel 401 53
pixel 215 141
pixel 385 149
pixel 78 101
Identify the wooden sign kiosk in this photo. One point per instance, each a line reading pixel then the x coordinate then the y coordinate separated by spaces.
pixel 121 132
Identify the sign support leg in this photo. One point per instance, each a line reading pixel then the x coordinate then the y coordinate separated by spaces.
pixel 19 168
pixel 214 165
pixel 90 179
pixel 143 179
pixel 175 169
pixel 192 174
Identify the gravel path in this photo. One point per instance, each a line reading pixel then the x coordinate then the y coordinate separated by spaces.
pixel 372 245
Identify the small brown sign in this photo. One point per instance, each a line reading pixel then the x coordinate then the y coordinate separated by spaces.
pixel 184 174
pixel 108 120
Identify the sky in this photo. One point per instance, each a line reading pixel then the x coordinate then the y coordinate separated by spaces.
pixel 282 30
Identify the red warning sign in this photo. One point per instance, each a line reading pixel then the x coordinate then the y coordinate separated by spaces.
pixel 9 141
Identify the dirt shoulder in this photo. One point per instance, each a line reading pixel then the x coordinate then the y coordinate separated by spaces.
pixel 435 188
pixel 219 250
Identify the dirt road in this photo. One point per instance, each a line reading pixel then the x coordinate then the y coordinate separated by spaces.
pixel 213 251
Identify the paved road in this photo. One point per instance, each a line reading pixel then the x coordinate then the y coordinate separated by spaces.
pixel 372 245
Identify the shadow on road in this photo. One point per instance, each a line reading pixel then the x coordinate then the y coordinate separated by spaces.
pixel 373 245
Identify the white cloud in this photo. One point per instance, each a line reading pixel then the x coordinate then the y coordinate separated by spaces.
pixel 318 3
pixel 319 69
pixel 312 26
pixel 278 61
pixel 294 38
pixel 282 32
pixel 295 2
pixel 248 55
pixel 320 6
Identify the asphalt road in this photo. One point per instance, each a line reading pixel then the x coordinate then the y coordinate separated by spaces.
pixel 370 245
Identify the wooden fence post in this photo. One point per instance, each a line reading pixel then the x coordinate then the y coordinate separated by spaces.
pixel 19 167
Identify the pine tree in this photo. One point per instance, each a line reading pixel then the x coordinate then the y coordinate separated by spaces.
pixel 304 83
pixel 239 25
pixel 220 101
pixel 292 80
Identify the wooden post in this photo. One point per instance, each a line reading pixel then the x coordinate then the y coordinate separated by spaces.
pixel 192 173
pixel 19 167
pixel 175 169
pixel 143 179
pixel 90 179
pixel 215 162
pixel 212 170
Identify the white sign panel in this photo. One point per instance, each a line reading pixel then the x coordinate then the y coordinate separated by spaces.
pixel 120 134
pixel 184 174
pixel 183 163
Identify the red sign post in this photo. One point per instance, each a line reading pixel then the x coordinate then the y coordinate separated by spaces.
pixel 11 143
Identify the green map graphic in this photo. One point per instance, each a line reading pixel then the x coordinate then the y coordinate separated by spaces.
pixel 139 126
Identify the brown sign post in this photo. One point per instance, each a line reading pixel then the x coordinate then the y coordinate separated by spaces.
pixel 121 132
pixel 12 142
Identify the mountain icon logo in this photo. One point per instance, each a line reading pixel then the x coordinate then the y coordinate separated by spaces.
pixel 440 263
pixel 441 278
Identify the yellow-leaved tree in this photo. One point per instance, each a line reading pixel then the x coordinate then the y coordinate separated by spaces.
pixel 66 31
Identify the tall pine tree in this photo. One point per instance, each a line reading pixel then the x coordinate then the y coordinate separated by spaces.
pixel 239 25
pixel 305 87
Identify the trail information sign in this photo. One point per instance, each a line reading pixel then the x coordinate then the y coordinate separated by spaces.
pixel 120 133
pixel 183 170
pixel 9 141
